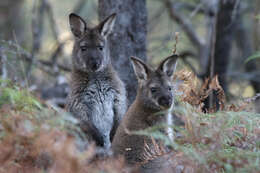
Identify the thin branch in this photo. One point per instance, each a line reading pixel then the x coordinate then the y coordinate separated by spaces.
pixel 154 19
pixel 43 64
pixel 56 53
pixel 54 28
pixel 235 11
pixel 196 10
pixel 184 23
pixel 3 60
pixel 174 51
pixel 79 6
pixel 184 55
pixel 37 28
pixel 53 23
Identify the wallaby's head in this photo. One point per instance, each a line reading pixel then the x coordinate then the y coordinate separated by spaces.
pixel 155 87
pixel 90 52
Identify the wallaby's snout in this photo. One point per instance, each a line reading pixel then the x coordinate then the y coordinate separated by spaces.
pixel 91 60
pixel 94 64
pixel 165 101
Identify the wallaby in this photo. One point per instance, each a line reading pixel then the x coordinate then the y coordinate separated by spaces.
pixel 155 94
pixel 98 97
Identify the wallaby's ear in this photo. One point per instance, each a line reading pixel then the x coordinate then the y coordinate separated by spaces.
pixel 140 69
pixel 77 25
pixel 168 66
pixel 106 26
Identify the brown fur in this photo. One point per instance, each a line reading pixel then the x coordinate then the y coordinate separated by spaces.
pixel 141 114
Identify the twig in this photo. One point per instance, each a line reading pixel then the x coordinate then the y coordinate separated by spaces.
pixel 154 19
pixel 3 60
pixel 234 12
pixel 190 7
pixel 37 28
pixel 79 6
pixel 42 63
pixel 176 42
pixel 196 10
pixel 56 53
pixel 185 24
pixel 54 29
pixel 252 99
pixel 18 49
pixel 52 21
pixel 191 67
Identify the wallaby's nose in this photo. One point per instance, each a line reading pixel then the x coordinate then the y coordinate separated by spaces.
pixel 165 101
pixel 95 65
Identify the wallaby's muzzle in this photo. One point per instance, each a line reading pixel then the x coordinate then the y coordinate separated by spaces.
pixel 94 65
pixel 165 101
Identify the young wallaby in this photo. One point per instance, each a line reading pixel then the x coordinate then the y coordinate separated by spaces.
pixel 155 94
pixel 98 97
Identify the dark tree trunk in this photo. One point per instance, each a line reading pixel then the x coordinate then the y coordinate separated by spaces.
pixel 129 37
pixel 224 36
pixel 222 47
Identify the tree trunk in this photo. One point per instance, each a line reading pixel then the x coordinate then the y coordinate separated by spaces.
pixel 129 37
pixel 224 36
pixel 246 48
pixel 1 61
pixel 257 47
pixel 11 19
pixel 10 26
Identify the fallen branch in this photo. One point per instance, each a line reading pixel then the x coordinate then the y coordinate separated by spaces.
pixel 42 63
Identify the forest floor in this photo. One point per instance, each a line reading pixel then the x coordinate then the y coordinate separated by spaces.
pixel 36 137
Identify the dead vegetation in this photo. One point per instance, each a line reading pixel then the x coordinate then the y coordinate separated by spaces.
pixel 36 138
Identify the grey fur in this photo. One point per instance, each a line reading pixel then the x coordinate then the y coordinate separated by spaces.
pixel 98 97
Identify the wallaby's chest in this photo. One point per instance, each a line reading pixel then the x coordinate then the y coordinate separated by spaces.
pixel 99 93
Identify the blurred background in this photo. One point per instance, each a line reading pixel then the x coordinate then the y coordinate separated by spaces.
pixel 214 37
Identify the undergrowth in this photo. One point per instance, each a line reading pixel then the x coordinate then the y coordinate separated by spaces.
pixel 34 137
pixel 224 141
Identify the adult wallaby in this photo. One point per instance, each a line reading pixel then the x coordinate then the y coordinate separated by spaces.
pixel 155 94
pixel 98 97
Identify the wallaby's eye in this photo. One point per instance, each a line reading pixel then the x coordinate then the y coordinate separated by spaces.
pixel 169 88
pixel 100 48
pixel 153 90
pixel 83 48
